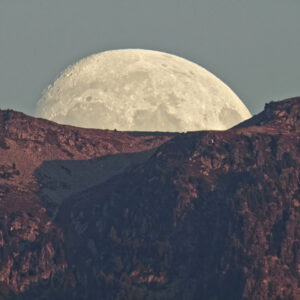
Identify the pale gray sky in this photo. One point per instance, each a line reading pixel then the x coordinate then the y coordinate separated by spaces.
pixel 253 46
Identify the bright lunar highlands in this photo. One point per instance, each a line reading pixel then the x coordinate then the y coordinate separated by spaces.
pixel 141 90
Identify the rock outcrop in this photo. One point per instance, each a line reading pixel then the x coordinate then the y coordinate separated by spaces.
pixel 206 215
pixel 41 163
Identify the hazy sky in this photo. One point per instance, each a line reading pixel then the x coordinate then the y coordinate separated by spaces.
pixel 252 45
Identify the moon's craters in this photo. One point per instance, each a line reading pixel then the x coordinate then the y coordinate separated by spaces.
pixel 141 90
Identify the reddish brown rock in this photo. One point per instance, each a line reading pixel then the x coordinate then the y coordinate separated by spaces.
pixel 211 215
pixel 91 214
pixel 35 176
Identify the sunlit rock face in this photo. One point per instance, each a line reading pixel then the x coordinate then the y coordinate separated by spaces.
pixel 141 90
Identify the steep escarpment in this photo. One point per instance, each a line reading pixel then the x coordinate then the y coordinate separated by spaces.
pixel 36 176
pixel 211 215
pixel 91 214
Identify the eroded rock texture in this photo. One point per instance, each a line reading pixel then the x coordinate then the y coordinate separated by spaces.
pixel 207 215
pixel 41 163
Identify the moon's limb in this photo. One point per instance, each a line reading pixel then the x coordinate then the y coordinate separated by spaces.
pixel 141 90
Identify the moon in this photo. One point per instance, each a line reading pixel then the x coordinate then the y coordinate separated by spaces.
pixel 141 90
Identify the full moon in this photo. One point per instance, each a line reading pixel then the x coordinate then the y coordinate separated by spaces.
pixel 141 90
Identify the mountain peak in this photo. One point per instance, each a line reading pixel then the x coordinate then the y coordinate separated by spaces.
pixel 88 214
pixel 283 115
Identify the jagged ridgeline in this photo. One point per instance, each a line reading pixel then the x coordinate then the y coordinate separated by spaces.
pixel 93 214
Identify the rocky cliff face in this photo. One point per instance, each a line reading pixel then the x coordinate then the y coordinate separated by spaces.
pixel 207 215
pixel 41 163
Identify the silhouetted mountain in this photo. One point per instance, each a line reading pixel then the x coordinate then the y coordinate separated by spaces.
pixel 206 215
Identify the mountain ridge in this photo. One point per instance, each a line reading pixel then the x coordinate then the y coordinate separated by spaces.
pixel 200 215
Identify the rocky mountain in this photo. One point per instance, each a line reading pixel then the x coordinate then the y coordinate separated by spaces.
pixel 41 163
pixel 92 214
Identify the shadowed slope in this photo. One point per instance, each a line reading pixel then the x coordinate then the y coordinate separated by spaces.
pixel 31 245
pixel 211 215
pixel 206 215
